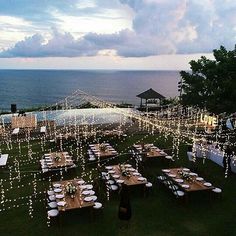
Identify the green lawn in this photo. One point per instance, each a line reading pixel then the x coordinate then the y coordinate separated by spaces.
pixel 158 214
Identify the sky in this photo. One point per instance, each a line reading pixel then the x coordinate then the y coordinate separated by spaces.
pixel 113 34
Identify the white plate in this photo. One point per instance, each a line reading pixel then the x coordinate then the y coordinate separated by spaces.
pixel 141 179
pixel 60 196
pixel 111 172
pixel 88 199
pixel 81 182
pixel 108 167
pixel 56 185
pixel 89 186
pixel 171 175
pixel 207 184
pixel 185 185
pixel 116 176
pixel 120 181
pixel 179 180
pixel 61 203
pixel 86 192
pixel 136 174
pixel 166 170
pixel 199 179
pixel 186 169
pixel 57 190
pixel 83 187
pixel 193 174
pixel 128 165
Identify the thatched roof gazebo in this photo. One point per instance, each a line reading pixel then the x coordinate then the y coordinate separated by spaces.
pixel 151 97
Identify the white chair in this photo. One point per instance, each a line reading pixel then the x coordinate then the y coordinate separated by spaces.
pixel 111 181
pixel 217 190
pixel 97 205
pixel 92 157
pixel 148 185
pixel 114 187
pixel 179 193
pixel 94 198
pixel 53 213
pixel 50 192
pixel 45 170
pixel 52 204
pixel 169 158
pixel 161 178
pixel 52 197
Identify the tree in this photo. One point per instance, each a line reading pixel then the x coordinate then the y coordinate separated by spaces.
pixel 211 84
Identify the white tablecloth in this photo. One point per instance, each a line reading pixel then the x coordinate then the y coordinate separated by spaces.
pixel 214 155
pixel 3 159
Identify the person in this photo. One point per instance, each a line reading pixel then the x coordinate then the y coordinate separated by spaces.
pixel 124 212
pixel 227 159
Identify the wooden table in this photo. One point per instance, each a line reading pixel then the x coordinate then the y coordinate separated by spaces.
pixel 103 154
pixel 130 181
pixel 72 203
pixel 62 163
pixel 194 185
pixel 149 152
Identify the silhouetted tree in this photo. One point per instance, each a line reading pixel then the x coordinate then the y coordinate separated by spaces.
pixel 211 84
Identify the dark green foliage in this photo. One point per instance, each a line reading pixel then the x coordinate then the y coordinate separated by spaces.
pixel 212 83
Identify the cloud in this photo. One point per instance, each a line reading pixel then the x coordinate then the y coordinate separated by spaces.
pixel 158 27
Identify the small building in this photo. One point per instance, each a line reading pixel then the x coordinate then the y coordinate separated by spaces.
pixel 151 99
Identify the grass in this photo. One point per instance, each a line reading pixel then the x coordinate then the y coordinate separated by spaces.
pixel 158 214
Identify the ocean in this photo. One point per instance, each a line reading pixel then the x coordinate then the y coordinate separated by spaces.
pixel 33 88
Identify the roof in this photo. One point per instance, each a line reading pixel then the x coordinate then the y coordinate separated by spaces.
pixel 150 94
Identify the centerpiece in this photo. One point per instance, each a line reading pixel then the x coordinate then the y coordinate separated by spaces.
pixel 103 147
pixel 71 189
pixel 124 171
pixel 185 176
pixel 57 158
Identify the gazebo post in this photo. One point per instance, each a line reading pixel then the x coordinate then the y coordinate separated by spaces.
pixel 141 104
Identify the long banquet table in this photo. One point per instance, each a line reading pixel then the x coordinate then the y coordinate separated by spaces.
pixel 188 186
pixel 72 203
pixel 134 179
pixel 149 150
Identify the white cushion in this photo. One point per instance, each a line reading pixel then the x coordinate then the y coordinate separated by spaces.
pixel 111 181
pixel 179 193
pixel 52 198
pixel 52 204
pixel 114 187
pixel 148 185
pixel 53 213
pixel 50 192
pixel 97 205
pixel 217 190
pixel 94 198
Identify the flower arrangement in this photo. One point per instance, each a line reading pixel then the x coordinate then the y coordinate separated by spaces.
pixel 124 171
pixel 185 176
pixel 57 158
pixel 71 189
pixel 103 147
